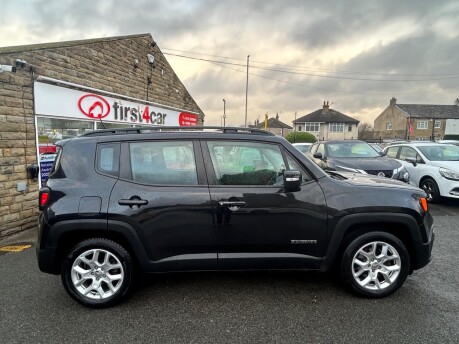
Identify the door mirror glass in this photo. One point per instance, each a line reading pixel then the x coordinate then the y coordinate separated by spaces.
pixel 292 180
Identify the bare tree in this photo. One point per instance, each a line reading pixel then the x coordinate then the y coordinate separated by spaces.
pixel 365 131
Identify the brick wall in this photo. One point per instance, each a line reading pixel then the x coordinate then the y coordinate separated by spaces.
pixel 104 64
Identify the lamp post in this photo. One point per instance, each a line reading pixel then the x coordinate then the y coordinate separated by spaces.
pixel 224 112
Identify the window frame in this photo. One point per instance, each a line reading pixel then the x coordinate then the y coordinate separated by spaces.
pixel 420 125
pixel 336 126
pixel 314 124
pixel 439 124
pixel 389 126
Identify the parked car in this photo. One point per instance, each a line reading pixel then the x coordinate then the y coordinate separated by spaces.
pixel 356 156
pixel 303 147
pixel 376 147
pixel 434 167
pixel 125 201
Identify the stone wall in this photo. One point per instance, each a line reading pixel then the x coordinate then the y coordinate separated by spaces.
pixel 104 64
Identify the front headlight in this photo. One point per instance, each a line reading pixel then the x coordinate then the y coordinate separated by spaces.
pixel 449 174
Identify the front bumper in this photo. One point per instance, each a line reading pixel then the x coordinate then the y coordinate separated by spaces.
pixel 423 252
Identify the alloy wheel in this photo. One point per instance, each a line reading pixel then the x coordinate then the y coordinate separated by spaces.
pixel 376 265
pixel 97 274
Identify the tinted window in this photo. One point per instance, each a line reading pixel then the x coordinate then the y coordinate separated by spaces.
pixel 246 163
pixel 108 160
pixel 391 152
pixel 163 163
pixel 294 165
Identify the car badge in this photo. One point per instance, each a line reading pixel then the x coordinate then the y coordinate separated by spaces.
pixel 381 174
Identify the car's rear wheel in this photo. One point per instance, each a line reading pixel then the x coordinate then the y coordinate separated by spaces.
pixel 375 264
pixel 431 188
pixel 97 272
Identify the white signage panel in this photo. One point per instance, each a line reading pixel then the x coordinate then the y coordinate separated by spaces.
pixel 51 100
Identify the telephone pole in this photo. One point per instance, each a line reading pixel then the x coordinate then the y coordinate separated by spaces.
pixel 246 91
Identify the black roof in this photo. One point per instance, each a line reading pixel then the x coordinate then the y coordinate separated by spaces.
pixel 430 111
pixel 326 115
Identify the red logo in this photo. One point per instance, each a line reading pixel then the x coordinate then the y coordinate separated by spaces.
pixel 94 106
pixel 188 119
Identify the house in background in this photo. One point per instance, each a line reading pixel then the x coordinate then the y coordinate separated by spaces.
pixel 428 122
pixel 328 124
pixel 275 126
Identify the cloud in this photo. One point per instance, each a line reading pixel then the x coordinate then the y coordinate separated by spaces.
pixel 343 39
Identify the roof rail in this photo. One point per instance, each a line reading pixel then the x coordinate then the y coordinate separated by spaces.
pixel 142 130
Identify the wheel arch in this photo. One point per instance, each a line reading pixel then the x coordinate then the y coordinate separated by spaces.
pixel 66 234
pixel 403 226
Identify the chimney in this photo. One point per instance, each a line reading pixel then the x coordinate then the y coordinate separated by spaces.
pixel 393 101
pixel 277 116
pixel 325 105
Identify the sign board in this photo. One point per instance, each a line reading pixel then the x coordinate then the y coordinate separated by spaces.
pixel 46 163
pixel 452 127
pixel 57 101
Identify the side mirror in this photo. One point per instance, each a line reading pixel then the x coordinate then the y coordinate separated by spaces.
pixel 411 160
pixel 292 180
pixel 317 155
pixel 382 153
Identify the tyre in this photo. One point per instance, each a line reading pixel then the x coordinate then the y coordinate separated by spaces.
pixel 97 272
pixel 431 188
pixel 375 264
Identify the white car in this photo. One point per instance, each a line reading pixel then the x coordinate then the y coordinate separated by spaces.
pixel 434 167
pixel 303 147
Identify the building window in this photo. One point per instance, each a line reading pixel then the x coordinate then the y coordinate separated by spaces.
pixel 312 127
pixel 389 126
pixel 336 127
pixel 423 125
pixel 349 127
pixel 437 124
pixel 299 128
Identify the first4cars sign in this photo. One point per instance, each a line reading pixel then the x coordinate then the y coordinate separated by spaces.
pixel 51 100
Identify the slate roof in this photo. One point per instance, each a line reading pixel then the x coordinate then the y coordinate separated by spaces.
pixel 274 123
pixel 326 115
pixel 41 46
pixel 430 111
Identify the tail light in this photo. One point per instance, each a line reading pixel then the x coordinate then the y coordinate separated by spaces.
pixel 43 197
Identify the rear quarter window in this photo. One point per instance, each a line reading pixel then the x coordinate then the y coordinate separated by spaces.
pixel 108 159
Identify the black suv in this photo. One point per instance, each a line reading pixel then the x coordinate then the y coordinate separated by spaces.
pixel 164 199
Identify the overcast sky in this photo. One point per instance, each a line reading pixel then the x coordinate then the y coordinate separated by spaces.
pixel 302 53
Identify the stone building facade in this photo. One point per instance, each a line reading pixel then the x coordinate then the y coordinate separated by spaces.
pixel 428 122
pixel 33 105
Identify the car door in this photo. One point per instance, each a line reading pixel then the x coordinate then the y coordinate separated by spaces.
pixel 259 224
pixel 163 195
pixel 409 152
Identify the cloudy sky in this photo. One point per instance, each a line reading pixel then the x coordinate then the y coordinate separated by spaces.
pixel 354 54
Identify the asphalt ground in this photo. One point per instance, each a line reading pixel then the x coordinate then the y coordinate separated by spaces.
pixel 237 307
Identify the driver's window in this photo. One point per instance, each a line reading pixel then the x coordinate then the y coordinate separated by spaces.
pixel 246 163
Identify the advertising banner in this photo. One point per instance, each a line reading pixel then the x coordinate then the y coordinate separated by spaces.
pixel 51 100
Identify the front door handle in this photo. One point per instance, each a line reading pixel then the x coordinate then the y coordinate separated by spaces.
pixel 231 205
pixel 134 202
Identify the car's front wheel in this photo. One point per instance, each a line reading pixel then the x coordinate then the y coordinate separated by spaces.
pixel 431 188
pixel 97 272
pixel 375 264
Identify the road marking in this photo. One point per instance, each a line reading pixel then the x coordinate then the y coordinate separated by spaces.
pixel 14 248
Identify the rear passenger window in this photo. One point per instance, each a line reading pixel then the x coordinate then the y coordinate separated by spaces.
pixel 108 160
pixel 163 163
